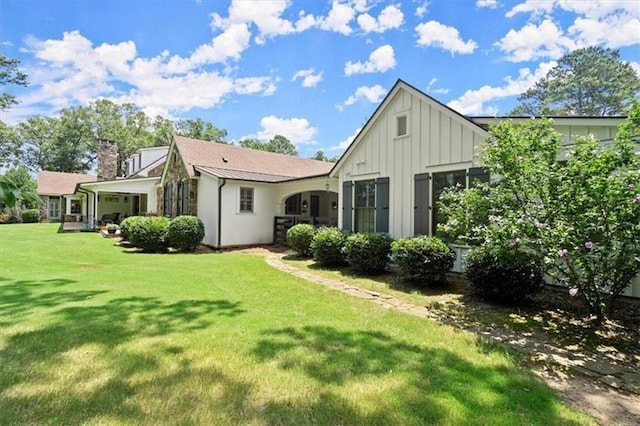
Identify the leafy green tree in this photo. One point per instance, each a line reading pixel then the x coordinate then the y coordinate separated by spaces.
pixel 10 74
pixel 162 131
pixel 200 129
pixel 320 156
pixel 252 144
pixel 579 218
pixel 281 145
pixel 9 146
pixel 21 180
pixel 586 82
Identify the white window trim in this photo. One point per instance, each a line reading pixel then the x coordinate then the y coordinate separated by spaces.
pixel 253 200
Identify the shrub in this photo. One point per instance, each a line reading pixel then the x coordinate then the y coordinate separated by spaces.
pixel 327 246
pixel 150 234
pixel 368 253
pixel 185 233
pixel 425 259
pixel 299 238
pixel 503 274
pixel 31 216
pixel 128 225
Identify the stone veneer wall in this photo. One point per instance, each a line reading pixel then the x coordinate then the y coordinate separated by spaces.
pixel 107 160
pixel 175 174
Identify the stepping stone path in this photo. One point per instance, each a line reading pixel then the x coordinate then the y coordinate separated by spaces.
pixel 595 366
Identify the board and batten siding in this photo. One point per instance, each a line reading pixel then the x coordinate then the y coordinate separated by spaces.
pixel 437 140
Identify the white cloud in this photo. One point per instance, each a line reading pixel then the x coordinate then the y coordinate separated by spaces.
pixel 380 60
pixel 432 89
pixel 391 17
pixel 373 94
pixel 78 73
pixel 635 66
pixel 591 9
pixel 613 31
pixel 435 34
pixel 339 18
pixel 472 102
pixel 309 77
pixel 536 7
pixel 535 41
pixel 422 9
pixel 491 4
pixel 343 145
pixel 297 130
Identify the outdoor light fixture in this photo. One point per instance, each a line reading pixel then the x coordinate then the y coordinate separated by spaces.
pixel 334 205
pixel 305 204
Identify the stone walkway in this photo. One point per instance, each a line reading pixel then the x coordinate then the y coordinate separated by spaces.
pixel 594 366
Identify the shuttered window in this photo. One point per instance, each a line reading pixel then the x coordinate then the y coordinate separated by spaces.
pixel 441 181
pixel 365 206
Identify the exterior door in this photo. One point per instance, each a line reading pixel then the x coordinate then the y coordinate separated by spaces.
pixel 54 208
pixel 315 206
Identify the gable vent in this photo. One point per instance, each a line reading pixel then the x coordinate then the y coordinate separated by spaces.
pixel 401 122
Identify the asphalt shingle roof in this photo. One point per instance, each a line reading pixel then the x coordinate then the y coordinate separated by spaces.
pixel 60 183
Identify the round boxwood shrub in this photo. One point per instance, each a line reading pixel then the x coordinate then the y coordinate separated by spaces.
pixel 127 226
pixel 367 253
pixel 185 233
pixel 299 238
pixel 150 234
pixel 503 275
pixel 423 259
pixel 327 246
pixel 31 216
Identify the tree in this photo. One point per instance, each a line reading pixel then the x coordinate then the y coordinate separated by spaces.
pixel 20 179
pixel 579 218
pixel 279 144
pixel 10 74
pixel 320 156
pixel 200 129
pixel 9 146
pixel 586 82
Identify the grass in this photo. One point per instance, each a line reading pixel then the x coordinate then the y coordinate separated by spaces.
pixel 93 333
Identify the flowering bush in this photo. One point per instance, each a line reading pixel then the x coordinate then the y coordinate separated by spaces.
pixel 578 216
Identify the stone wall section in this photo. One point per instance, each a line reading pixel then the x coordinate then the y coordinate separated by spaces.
pixel 107 160
pixel 175 175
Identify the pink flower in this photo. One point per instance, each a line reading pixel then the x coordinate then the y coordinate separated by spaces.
pixel 573 292
pixel 637 198
pixel 563 252
pixel 588 245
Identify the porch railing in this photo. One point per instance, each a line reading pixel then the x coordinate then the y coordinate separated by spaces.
pixel 281 224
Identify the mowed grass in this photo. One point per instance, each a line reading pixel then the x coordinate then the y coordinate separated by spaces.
pixel 91 333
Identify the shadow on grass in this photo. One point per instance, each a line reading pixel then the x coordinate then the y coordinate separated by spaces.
pixel 436 385
pixel 78 366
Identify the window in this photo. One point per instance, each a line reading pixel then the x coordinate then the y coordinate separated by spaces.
pixel 76 207
pixel 246 200
pixel 401 125
pixel 441 181
pixel 365 206
pixel 54 207
pixel 292 204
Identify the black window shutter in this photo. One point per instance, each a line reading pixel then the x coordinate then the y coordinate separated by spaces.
pixel 382 204
pixel 479 174
pixel 421 185
pixel 347 206
pixel 185 197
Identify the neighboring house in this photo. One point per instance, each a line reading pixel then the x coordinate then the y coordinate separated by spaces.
pixel 57 192
pixel 245 196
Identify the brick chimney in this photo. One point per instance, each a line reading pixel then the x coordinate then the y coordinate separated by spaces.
pixel 107 159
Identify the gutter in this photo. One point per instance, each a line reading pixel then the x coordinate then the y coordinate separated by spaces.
pixel 224 182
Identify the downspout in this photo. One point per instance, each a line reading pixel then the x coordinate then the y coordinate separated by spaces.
pixel 224 182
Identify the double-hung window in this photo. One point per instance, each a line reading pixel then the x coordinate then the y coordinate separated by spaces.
pixel 246 200
pixel 442 181
pixel 365 206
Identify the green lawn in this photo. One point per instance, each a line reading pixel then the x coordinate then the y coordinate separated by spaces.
pixel 92 333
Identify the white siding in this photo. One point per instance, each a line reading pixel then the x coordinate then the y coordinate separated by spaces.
pixel 239 229
pixel 208 208
pixel 438 140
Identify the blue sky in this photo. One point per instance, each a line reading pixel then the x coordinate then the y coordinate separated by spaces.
pixel 313 71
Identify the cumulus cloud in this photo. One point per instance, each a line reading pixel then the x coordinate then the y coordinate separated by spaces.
pixel 79 72
pixel 435 34
pixel 297 130
pixel 373 94
pixel 309 77
pixel 531 42
pixel 422 9
pixel 391 17
pixel 343 145
pixel 491 4
pixel 380 60
pixel 473 102
pixel 432 89
pixel 591 31
pixel 339 18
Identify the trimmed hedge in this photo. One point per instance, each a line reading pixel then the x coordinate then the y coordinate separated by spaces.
pixel 424 259
pixel 185 233
pixel 128 225
pixel 150 233
pixel 368 253
pixel 503 275
pixel 31 216
pixel 299 238
pixel 327 246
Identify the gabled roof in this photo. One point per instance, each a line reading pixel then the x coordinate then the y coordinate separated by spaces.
pixel 227 161
pixel 400 85
pixel 60 183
